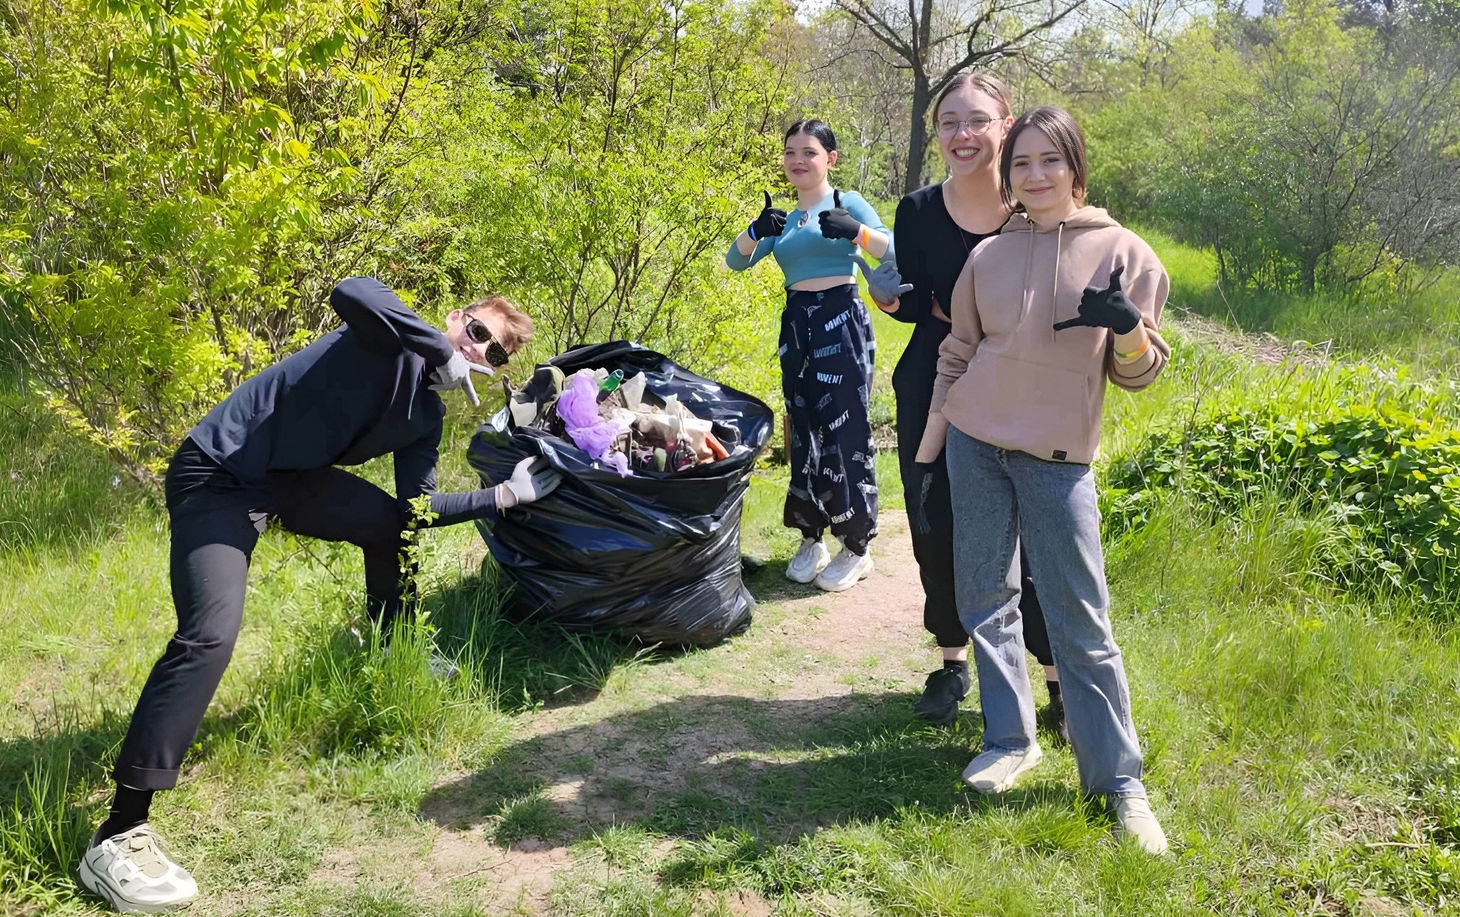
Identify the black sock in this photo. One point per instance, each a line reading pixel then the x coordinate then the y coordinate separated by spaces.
pixel 957 665
pixel 129 809
pixel 1054 690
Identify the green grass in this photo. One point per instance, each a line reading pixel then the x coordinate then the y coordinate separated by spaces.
pixel 1301 744
pixel 1374 322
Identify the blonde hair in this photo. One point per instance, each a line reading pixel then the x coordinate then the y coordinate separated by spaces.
pixel 516 324
pixel 990 84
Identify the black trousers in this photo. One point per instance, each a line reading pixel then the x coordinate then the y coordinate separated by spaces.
pixel 826 351
pixel 215 523
pixel 913 386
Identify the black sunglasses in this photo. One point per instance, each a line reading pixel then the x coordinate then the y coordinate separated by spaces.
pixel 477 330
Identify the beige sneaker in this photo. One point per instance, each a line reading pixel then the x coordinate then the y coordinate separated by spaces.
pixel 996 770
pixel 1138 822
pixel 846 570
pixel 811 558
pixel 132 873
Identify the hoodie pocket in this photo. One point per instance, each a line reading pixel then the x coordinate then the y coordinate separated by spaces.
pixel 1031 407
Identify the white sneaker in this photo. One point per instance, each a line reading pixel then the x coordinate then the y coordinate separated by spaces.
pixel 1138 822
pixel 845 571
pixel 996 770
pixel 811 558
pixel 132 872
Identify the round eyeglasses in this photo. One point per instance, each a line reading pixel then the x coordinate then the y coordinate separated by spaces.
pixel 976 125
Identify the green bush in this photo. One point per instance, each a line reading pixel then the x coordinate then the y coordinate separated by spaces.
pixel 1388 479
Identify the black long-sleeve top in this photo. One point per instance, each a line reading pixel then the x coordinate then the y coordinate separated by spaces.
pixel 355 394
pixel 931 251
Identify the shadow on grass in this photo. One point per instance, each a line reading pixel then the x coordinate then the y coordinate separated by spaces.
pixel 769 584
pixel 48 785
pixel 777 769
pixel 529 663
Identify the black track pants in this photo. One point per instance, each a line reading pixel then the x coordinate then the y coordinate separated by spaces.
pixel 826 352
pixel 215 522
pixel 913 385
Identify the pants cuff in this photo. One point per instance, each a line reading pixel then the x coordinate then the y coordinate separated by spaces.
pixel 145 778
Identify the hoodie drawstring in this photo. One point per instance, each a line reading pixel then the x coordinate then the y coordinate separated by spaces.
pixel 1054 285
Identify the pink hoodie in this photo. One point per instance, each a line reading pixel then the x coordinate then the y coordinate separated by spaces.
pixel 1005 376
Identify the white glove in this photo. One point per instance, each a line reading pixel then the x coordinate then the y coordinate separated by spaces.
pixel 883 282
pixel 456 373
pixel 532 479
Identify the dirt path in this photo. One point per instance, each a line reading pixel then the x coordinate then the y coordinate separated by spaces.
pixel 697 728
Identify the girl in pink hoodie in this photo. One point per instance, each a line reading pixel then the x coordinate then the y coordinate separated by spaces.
pixel 1063 300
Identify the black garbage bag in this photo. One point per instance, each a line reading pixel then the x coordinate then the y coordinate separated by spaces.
pixel 655 554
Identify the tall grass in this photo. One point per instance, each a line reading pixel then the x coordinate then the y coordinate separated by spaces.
pixel 1300 741
pixel 1379 324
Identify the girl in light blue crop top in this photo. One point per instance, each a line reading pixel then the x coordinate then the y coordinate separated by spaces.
pixel 826 354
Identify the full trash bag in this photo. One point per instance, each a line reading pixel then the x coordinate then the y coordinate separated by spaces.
pixel 655 554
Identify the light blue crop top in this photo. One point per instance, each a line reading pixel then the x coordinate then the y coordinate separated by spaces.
pixel 802 251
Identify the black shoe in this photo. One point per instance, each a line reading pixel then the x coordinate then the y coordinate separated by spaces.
pixel 1052 719
pixel 941 694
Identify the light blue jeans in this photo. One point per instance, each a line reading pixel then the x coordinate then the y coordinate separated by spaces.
pixel 1001 497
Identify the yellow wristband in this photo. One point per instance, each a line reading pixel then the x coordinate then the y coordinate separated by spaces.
pixel 1134 354
pixel 863 235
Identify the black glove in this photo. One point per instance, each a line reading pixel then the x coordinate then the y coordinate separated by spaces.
pixel 771 221
pixel 838 223
pixel 923 475
pixel 1107 308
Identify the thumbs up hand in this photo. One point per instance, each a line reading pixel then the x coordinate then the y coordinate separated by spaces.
pixel 838 223
pixel 1107 308
pixel 771 221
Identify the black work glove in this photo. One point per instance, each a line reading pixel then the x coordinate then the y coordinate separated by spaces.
pixel 838 223
pixel 1107 308
pixel 771 221
pixel 923 476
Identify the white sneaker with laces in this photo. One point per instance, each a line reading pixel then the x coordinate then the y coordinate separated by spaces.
pixel 132 872
pixel 1138 822
pixel 996 770
pixel 811 558
pixel 846 570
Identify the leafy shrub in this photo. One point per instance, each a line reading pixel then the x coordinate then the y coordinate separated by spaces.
pixel 1390 480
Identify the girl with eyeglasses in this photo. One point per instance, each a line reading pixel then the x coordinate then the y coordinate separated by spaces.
pixel 826 352
pixel 1061 302
pixel 938 227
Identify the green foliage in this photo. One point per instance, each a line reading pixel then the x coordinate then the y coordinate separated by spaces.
pixel 186 181
pixel 1389 480
pixel 600 173
pixel 182 183
pixel 1276 142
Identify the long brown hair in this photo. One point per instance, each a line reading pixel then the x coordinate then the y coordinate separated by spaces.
pixel 1064 132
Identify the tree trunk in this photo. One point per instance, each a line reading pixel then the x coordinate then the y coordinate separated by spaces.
pixel 917 141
